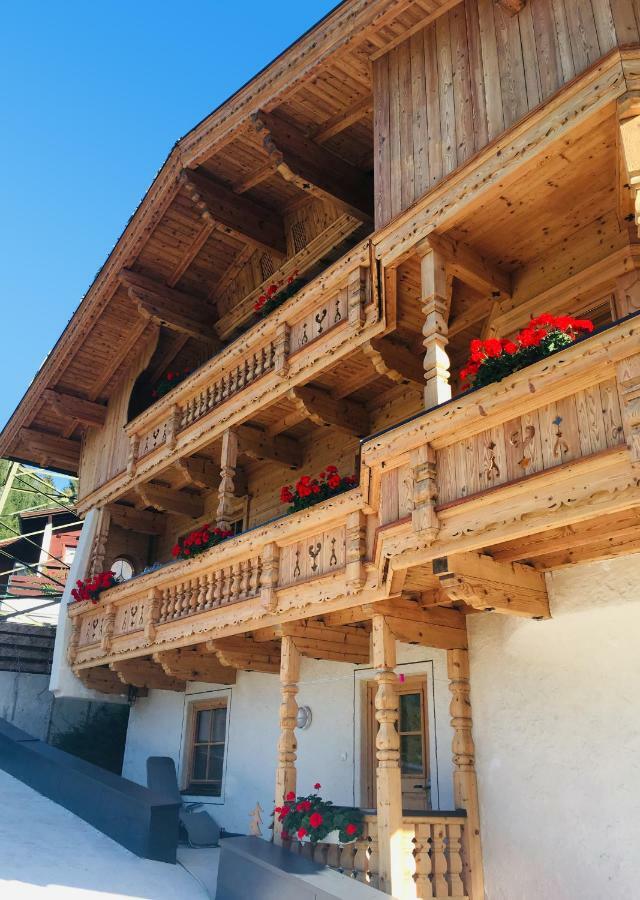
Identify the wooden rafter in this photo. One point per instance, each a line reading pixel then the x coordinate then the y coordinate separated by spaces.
pixel 323 409
pixel 146 674
pixel 191 252
pixel 135 337
pixel 87 412
pixel 420 25
pixel 316 640
pixel 103 679
pixel 168 500
pixel 167 306
pixel 51 449
pixel 314 169
pixel 413 624
pixel 194 664
pixel 256 444
pixel 245 653
pixel 138 520
pixel 486 584
pixel 343 120
pixel 236 215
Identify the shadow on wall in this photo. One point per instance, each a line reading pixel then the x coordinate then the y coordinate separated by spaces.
pixel 95 732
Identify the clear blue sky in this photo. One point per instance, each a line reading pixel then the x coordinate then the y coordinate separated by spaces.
pixel 93 95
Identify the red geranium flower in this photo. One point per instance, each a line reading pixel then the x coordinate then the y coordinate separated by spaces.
pixel 302 832
pixel 317 786
pixel 351 828
pixel 315 820
pixel 290 796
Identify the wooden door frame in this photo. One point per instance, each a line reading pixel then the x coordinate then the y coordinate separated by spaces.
pixel 368 730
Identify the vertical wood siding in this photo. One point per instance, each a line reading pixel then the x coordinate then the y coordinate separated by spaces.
pixel 450 89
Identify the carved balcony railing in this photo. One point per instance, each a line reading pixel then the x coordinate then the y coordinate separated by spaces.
pixel 434 855
pixel 317 555
pixel 555 443
pixel 325 320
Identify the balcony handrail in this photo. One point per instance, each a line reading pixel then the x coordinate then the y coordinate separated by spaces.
pixel 280 529
pixel 590 358
pixel 253 338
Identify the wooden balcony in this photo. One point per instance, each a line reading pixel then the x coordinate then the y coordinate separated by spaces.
pixel 551 446
pixel 316 556
pixel 326 320
pixel 434 850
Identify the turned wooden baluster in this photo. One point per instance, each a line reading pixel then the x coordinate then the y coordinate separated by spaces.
pixel 454 859
pixel 287 745
pixel 438 862
pixel 422 848
pixel 218 595
pixel 465 785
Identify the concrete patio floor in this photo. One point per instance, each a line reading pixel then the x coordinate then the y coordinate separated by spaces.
pixel 47 852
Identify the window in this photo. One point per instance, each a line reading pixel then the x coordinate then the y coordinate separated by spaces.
pixel 208 733
pixel 122 568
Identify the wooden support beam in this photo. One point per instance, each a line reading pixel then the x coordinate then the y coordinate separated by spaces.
pixel 255 178
pixel 316 641
pixel 314 169
pixel 486 584
pixel 394 361
pixel 51 450
pixel 195 664
pixel 132 519
pixel 237 216
pixel 289 671
pixel 226 490
pixel 435 302
pixel 103 679
pixel 412 623
pixel 170 307
pixel 257 444
pixel 191 252
pixel 629 158
pixel 145 673
pixel 324 409
pixel 244 653
pixel 168 500
pixel 469 266
pixel 87 412
pixel 465 783
pixel 388 776
pixel 343 120
pixel 196 472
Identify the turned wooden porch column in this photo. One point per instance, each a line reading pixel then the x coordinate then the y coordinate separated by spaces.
pixel 388 780
pixel 465 783
pixel 435 307
pixel 287 744
pixel 226 491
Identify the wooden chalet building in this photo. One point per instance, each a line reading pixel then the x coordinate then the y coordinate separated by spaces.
pixel 434 171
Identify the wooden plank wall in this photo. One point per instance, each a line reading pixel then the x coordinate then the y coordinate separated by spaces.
pixel 105 450
pixel 453 87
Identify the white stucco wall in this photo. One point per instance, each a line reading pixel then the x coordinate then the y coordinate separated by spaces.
pixel 328 752
pixel 556 712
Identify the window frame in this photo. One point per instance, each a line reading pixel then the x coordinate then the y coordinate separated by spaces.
pixel 190 788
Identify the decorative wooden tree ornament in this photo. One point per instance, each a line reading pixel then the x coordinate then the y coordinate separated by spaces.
pixel 513 7
pixel 255 821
